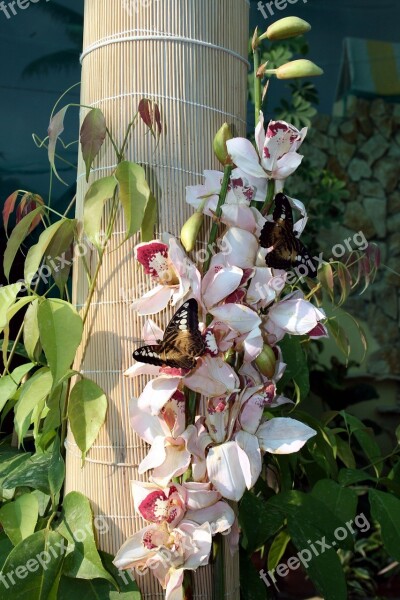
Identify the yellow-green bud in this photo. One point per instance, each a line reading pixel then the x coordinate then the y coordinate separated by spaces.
pixel 223 135
pixel 266 361
pixel 298 68
pixel 190 231
pixel 286 28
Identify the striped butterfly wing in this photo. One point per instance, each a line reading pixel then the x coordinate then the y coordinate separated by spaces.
pixel 182 342
pixel 288 251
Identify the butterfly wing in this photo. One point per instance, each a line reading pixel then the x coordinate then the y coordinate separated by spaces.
pixel 287 251
pixel 182 342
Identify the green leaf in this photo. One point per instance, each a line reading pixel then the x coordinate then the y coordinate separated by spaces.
pixel 277 549
pixel 352 476
pixel 33 391
pixel 341 501
pixel 339 335
pixel 149 220
pixel 8 296
pixel 83 560
pixel 61 330
pixel 345 453
pixel 34 565
pixel 31 331
pixel 36 253
pixel 56 469
pixel 87 409
pixel 32 473
pixel 385 508
pixel 365 437
pixel 10 461
pixel 32 395
pixel 9 383
pixel 258 522
pixel 96 197
pixel 19 517
pixel 134 194
pixel 16 238
pixel 324 570
pixel 93 134
pixel 97 589
pixel 54 131
pixel 55 404
pixel 59 253
pixel 297 366
pixel 5 548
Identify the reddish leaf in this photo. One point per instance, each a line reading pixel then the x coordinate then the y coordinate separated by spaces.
pixel 56 127
pixel 9 206
pixel 325 276
pixel 157 117
pixel 28 203
pixel 146 113
pixel 344 279
pixel 93 134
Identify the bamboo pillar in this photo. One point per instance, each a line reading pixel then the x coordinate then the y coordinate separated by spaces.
pixel 131 51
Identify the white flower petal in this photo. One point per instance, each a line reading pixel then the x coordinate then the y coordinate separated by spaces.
pixel 225 471
pixel 245 156
pixel 283 435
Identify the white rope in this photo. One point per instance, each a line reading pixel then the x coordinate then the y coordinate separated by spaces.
pixel 149 35
pixel 101 462
pixel 147 164
pixel 137 447
pixel 162 97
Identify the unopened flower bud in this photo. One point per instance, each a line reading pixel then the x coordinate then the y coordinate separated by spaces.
pixel 266 361
pixel 286 28
pixel 190 231
pixel 223 135
pixel 298 68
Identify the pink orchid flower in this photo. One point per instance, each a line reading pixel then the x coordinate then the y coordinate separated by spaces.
pixel 293 315
pixel 236 464
pixel 241 191
pixel 167 552
pixel 175 274
pixel 277 156
pixel 172 443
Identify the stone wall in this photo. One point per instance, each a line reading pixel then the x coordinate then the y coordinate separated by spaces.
pixel 363 149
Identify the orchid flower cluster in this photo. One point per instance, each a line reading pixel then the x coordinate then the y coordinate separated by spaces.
pixel 201 463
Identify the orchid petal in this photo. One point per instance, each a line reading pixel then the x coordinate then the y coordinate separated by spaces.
pixel 243 248
pixel 157 393
pixel 239 317
pixel 249 457
pixel 219 282
pixel 225 471
pixel 155 457
pixel 245 156
pixel 220 516
pixel 153 301
pixel 133 550
pixel 147 426
pixel 283 435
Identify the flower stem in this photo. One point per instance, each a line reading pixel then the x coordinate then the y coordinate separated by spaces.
pixel 219 568
pixel 257 85
pixel 266 207
pixel 218 212
pixel 187 586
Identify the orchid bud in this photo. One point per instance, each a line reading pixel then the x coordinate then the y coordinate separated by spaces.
pixel 223 135
pixel 190 231
pixel 266 361
pixel 286 28
pixel 298 68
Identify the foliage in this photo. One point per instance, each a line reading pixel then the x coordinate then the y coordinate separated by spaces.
pixel 45 391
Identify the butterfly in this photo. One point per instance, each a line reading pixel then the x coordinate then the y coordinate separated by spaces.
pixel 288 251
pixel 182 342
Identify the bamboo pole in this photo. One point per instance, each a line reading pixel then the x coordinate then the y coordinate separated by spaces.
pixel 199 81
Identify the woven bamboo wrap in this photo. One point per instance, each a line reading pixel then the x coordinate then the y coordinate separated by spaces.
pixel 198 87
